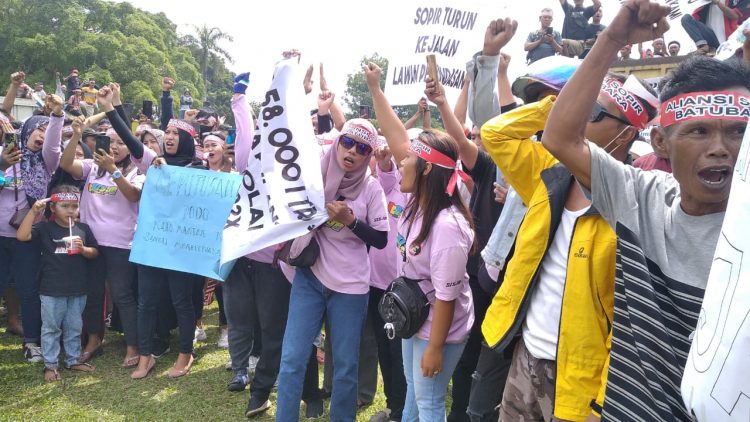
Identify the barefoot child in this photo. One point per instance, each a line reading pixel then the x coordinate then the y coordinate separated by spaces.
pixel 66 245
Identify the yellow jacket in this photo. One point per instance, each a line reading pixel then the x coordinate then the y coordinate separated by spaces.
pixel 588 298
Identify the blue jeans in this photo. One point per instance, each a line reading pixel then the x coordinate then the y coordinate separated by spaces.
pixel 425 397
pixel 20 261
pixel 309 301
pixel 62 316
pixel 699 31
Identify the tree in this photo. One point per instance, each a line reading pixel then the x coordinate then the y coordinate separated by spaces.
pixel 358 94
pixel 208 43
pixel 112 42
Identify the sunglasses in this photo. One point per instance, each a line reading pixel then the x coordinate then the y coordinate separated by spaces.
pixel 599 113
pixel 348 143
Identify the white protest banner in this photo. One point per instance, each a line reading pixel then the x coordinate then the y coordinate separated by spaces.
pixel 716 385
pixel 452 32
pixel 281 195
pixel 682 7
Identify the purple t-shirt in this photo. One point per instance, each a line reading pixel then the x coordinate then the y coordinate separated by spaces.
pixel 111 217
pixel 384 262
pixel 441 263
pixel 145 162
pixel 343 265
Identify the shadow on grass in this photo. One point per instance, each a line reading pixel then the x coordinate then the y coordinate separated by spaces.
pixel 110 394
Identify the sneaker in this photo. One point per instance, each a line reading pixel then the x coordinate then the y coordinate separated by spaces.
pixel 256 406
pixel 200 334
pixel 314 409
pixel 252 363
pixel 33 353
pixel 223 338
pixel 161 353
pixel 239 382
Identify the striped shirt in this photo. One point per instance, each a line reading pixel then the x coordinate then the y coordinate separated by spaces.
pixel 664 257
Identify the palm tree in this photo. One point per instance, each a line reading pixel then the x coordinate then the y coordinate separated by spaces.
pixel 208 43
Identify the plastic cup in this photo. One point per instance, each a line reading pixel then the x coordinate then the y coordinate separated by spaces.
pixel 70 245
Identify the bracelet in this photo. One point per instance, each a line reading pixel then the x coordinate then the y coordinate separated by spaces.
pixel 354 224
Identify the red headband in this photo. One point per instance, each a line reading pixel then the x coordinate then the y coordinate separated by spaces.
pixel 64 197
pixel 182 125
pixel 439 159
pixel 626 102
pixel 723 105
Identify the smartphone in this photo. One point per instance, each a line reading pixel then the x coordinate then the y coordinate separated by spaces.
pixel 9 139
pixel 364 112
pixel 549 30
pixel 231 136
pixel 102 142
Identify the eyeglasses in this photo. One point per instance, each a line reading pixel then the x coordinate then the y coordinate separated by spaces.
pixel 348 143
pixel 599 113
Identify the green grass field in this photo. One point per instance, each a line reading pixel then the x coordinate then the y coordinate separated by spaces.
pixel 109 394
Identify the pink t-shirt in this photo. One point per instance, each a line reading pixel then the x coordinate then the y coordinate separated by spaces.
pixel 105 209
pixel 145 162
pixel 343 265
pixel 441 263
pixel 384 262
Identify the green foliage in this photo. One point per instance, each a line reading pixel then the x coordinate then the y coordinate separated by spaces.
pixel 358 94
pixel 111 42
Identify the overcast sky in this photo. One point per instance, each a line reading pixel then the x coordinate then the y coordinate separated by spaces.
pixel 338 32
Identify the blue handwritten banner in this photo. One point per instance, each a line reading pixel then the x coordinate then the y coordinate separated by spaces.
pixel 181 219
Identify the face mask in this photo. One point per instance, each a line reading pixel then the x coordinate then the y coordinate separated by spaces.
pixel 613 140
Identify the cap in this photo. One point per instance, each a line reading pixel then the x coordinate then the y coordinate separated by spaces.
pixel 550 72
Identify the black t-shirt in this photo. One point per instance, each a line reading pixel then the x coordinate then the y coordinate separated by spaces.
pixel 593 30
pixel 576 21
pixel 483 207
pixel 61 274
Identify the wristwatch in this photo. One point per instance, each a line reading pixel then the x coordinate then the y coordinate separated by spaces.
pixel 116 175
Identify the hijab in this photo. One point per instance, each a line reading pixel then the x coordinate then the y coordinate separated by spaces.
pixel 336 181
pixel 33 171
pixel 185 155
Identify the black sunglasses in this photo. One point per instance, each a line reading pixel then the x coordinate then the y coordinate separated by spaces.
pixel 599 113
pixel 348 143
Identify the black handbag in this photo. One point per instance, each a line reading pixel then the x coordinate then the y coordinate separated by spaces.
pixel 404 308
pixel 300 252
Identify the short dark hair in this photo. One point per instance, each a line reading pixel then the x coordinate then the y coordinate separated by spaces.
pixel 700 73
pixel 674 42
pixel 65 189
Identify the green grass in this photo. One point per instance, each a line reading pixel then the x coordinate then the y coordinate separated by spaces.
pixel 109 394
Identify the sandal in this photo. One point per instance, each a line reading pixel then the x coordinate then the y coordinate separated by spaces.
pixel 82 367
pixel 141 373
pixel 176 373
pixel 131 361
pixel 88 356
pixel 51 374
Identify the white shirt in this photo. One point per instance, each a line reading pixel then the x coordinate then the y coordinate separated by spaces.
pixel 542 325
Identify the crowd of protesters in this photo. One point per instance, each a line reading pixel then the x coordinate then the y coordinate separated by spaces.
pixel 550 241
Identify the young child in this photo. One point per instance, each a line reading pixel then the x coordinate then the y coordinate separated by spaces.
pixel 66 245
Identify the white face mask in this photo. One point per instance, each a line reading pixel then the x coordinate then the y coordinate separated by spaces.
pixel 613 140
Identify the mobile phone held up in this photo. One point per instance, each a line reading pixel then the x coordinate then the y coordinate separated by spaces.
pixel 231 136
pixel 102 142
pixel 364 112
pixel 549 30
pixel 9 141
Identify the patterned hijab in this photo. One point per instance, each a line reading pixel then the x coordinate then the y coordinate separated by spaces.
pixel 33 171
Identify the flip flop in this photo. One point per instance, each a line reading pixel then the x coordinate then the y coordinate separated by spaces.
pixel 55 374
pixel 82 367
pixel 88 356
pixel 131 361
pixel 136 375
pixel 177 373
